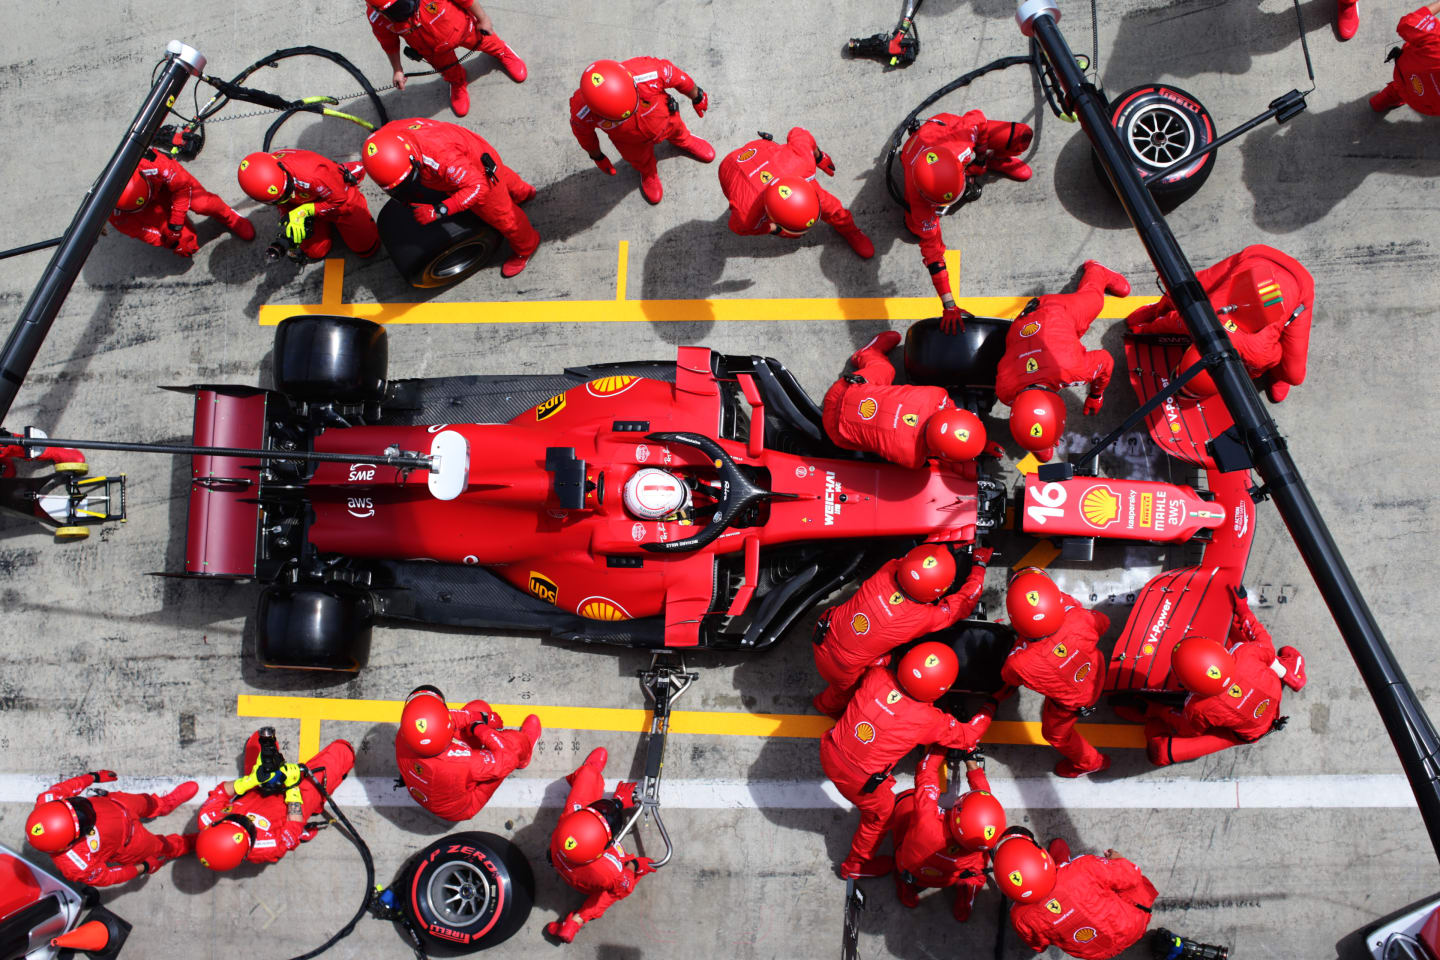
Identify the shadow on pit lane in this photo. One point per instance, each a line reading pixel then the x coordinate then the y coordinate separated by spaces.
pixel 375 758
pixel 1294 186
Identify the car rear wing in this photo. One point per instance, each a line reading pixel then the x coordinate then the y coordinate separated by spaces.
pixel 222 532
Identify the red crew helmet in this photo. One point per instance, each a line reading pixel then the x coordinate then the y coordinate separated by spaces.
pixel 135 195
pixel 927 670
pixel 1034 603
pixel 1037 420
pixel 793 204
pixel 390 159
pixel 425 722
pixel 222 845
pixel 1201 385
pixel 926 572
pixel 608 89
pixel 580 837
pixel 52 826
pixel 976 821
pixel 263 178
pixel 397 11
pixel 1023 871
pixel 938 176
pixel 955 435
pixel 1202 665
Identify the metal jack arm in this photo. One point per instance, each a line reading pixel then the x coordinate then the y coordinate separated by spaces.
pixel 664 684
pixel 1410 730
pixel 181 62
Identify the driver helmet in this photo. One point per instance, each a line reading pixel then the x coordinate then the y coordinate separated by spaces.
pixel 654 494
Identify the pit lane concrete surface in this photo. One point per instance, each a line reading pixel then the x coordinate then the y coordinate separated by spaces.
pixel 1278 850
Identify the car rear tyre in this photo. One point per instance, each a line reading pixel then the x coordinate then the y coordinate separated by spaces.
pixel 436 254
pixel 334 359
pixel 968 358
pixel 321 627
pixel 1160 125
pixel 467 892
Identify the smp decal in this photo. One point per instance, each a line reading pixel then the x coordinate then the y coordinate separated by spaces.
pixel 361 472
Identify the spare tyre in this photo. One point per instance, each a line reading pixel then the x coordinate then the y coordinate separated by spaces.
pixel 467 891
pixel 436 254
pixel 1160 125
pixel 313 627
pixel 338 359
pixel 966 358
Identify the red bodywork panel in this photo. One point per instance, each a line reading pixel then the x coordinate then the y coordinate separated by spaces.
pixel 222 531
pixel 510 520
pixel 1119 509
pixel 18 888
pixel 1180 426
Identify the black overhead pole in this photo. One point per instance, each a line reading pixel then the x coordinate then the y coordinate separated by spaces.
pixel 1410 729
pixel 34 323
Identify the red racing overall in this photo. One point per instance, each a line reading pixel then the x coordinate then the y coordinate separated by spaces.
pixel 452 161
pixel 866 410
pixel 747 172
pixel 604 881
pixel 435 30
pixel 1069 669
pixel 1043 348
pixel 923 846
pixel 458 783
pixel 879 727
pixel 321 181
pixel 1285 364
pixel 112 851
pixel 1099 908
pixel 174 192
pixel 275 834
pixel 651 123
pixel 1417 72
pixel 877 619
pixel 972 139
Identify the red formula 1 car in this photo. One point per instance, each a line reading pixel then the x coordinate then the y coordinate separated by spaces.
pixel 678 504
pixel 37 908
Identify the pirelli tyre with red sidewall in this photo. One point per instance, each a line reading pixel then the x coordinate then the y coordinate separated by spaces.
pixel 1160 125
pixel 467 892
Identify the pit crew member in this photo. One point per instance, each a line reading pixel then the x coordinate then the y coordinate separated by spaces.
pixel 908 597
pixel 407 154
pixel 313 192
pixel 452 761
pixel 1417 65
pixel 154 204
pixel 891 714
pixel 583 848
pixel 1043 354
pixel 1252 291
pixel 771 188
pixel 100 840
pixel 627 100
pixel 905 424
pixel 433 29
pixel 263 815
pixel 1057 656
pixel 935 160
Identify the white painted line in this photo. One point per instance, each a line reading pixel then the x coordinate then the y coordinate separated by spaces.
pixel 1040 793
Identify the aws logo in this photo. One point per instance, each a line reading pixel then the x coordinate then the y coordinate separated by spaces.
pixel 550 407
pixel 542 587
pixel 1100 506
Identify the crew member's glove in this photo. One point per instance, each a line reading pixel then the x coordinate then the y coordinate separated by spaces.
pixel 953 319
pixel 643 865
pixel 700 100
pixel 982 555
pixel 1093 403
pixel 103 776
pixel 993 449
pixel 603 162
pixel 824 162
pixel 955 755
pixel 149 865
pixel 289 834
pixel 424 213
pixel 187 243
pixel 1394 54
pixel 296 229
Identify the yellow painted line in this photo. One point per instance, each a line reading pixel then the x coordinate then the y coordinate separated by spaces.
pixel 332 288
pixel 1041 555
pixel 624 310
pixel 311 710
pixel 621 270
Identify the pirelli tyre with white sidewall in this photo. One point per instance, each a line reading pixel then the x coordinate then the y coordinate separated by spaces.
pixel 467 892
pixel 1160 125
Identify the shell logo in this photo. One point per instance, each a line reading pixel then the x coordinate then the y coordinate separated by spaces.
pixel 1053 905
pixel 1030 329
pixel 600 609
pixel 864 732
pixel 1174 428
pixel 1085 934
pixel 1083 672
pixel 868 408
pixel 911 420
pixel 896 598
pixel 1060 650
pixel 609 385
pixel 1235 691
pixel 1417 85
pixel 92 840
pixel 1261 707
pixel 860 624
pixel 1100 506
pixel 1147 650
pixel 748 154
pixel 893 697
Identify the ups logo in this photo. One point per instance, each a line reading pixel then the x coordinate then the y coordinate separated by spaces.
pixel 542 587
pixel 550 407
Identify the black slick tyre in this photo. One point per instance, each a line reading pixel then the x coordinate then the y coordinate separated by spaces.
pixel 436 254
pixel 331 359
pixel 313 627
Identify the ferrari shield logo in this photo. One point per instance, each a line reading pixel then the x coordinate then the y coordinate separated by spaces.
pixel 37 830
pixel 932 661
pixel 911 420
pixel 1053 905
pixel 1229 324
pixel 1235 691
pixel 766 176
pixel 1015 878
pixel 370 149
pixel 1032 597
pixel 421 724
pixel 571 843
pixel 1031 364
pixel 989 831
pixel 784 192
pixel 893 697
pixel 962 435
pixel 596 79
pixel 1036 430
pixel 932 157
pixel 896 598
pixel 929 563
pixel 1213 672
pixel 1060 650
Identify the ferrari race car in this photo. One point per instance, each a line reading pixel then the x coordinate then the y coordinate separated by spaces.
pixel 685 503
pixel 38 909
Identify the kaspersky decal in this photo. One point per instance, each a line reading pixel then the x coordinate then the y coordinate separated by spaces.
pixel 550 407
pixel 542 586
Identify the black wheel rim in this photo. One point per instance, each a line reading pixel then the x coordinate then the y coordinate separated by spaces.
pixel 458 893
pixel 457 261
pixel 1159 135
